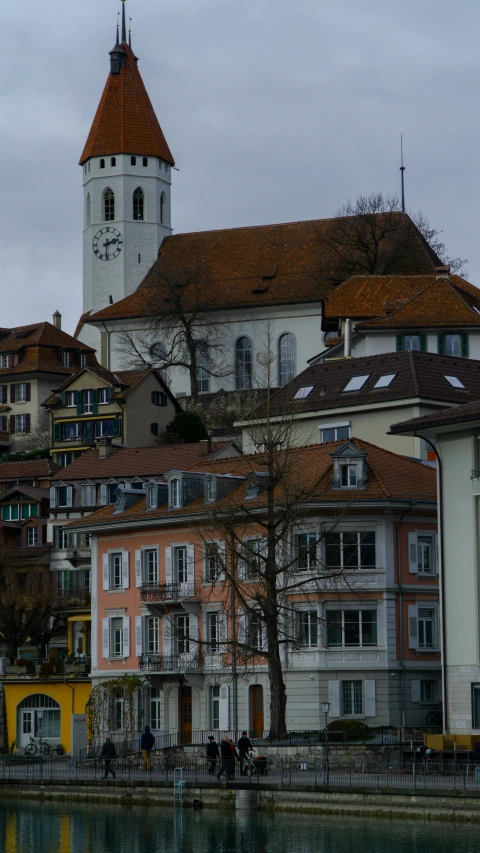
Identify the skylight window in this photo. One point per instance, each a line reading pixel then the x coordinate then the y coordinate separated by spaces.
pixel 455 382
pixel 303 392
pixel 385 380
pixel 356 383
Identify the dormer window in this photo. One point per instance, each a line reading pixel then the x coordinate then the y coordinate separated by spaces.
pixel 152 496
pixel 66 359
pixel 175 494
pixel 348 476
pixel 83 360
pixel 210 490
pixel 349 467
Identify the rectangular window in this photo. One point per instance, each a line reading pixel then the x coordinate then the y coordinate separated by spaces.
pixel 253 559
pixel 182 630
pixel 6 361
pixel 105 429
pixel 211 490
pixel 476 706
pixel 116 640
pixel 352 698
pixel 351 628
pixel 175 494
pixel 453 345
pixel 155 708
pixel 89 495
pixel 103 396
pixel 348 476
pixel 118 711
pixel 334 434
pixel 255 631
pixel 112 492
pixel 152 635
pixel 66 359
pixel 426 628
pixel 62 496
pixel 215 707
pixel 116 563
pixel 71 399
pixel 308 628
pixel 305 551
pixel 21 393
pixel 83 360
pixel 21 423
pixel 213 632
pixel 29 511
pixel 150 566
pixel 72 431
pixel 32 536
pixel 213 567
pixel 428 691
pixel 180 565
pixel 88 402
pixel 350 550
pixel 411 342
pixel 425 554
pixel 10 512
pixel 203 377
pixel 159 398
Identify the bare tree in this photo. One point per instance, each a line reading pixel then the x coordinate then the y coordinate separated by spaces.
pixel 27 601
pixel 433 238
pixel 181 331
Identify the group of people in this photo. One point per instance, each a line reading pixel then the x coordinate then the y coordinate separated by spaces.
pixel 228 755
pixel 109 753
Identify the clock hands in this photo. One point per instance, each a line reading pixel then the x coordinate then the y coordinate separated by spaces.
pixel 109 243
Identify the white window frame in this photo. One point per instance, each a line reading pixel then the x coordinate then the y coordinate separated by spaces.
pixel 103 397
pixel 146 552
pixel 415 539
pixel 21 424
pixel 176 550
pixel 32 534
pixel 175 491
pixel 87 399
pixel 359 533
pixel 89 490
pixel 116 636
pixel 185 638
pixel 213 617
pixel 356 692
pixel 66 359
pixel 218 574
pixel 312 625
pixel 343 612
pixel 311 535
pixel 21 392
pixel 152 635
pixel 83 359
pixel 415 630
pixel 335 426
pixel 71 400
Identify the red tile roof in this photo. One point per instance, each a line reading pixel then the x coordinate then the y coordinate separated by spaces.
pixel 470 412
pixel 133 462
pixel 32 469
pixel 442 304
pixel 39 347
pixel 125 121
pixel 262 265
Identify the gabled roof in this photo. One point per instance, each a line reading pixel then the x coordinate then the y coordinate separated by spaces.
pixel 417 375
pixel 362 297
pixel 442 304
pixel 32 469
pixel 389 477
pixel 452 416
pixel 39 347
pixel 145 462
pixel 125 121
pixel 126 380
pixel 28 491
pixel 281 264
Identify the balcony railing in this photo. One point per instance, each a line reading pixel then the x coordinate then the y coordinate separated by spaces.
pixel 68 598
pixel 166 592
pixel 189 662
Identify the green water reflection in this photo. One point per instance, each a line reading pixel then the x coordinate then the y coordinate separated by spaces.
pixel 41 828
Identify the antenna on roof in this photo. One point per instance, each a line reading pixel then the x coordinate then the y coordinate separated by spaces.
pixel 402 171
pixel 124 24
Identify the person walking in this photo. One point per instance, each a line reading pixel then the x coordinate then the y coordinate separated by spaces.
pixel 244 747
pixel 213 754
pixel 108 753
pixel 147 742
pixel 228 758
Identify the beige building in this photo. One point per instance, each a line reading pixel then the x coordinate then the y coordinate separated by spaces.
pixel 134 407
pixel 361 397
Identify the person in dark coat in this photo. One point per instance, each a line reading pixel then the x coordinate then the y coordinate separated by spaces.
pixel 213 754
pixel 244 747
pixel 228 754
pixel 147 742
pixel 108 753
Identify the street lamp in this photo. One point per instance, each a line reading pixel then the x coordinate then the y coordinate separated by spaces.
pixel 326 711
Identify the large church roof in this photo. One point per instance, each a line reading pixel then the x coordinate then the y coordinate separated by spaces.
pixel 125 122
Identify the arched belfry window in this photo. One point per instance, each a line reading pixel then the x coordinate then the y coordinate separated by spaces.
pixel 88 211
pixel 287 358
pixel 163 208
pixel 108 205
pixel 243 363
pixel 138 205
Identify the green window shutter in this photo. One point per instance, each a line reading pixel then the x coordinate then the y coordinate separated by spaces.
pixel 34 510
pixel 111 392
pixel 164 399
pixel 464 344
pixel 117 427
pixel 79 403
pixel 57 432
pixel 95 401
pixel 441 344
pixel 63 399
pixel 423 343
pixel 400 343
pixel 5 513
pixel 154 397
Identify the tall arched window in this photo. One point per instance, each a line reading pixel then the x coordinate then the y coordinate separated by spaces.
pixel 287 358
pixel 138 204
pixel 163 203
pixel 243 363
pixel 102 163
pixel 88 211
pixel 108 205
pixel 39 716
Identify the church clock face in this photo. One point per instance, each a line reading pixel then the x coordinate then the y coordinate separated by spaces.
pixel 107 243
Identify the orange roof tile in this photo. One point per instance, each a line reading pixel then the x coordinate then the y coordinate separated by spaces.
pixel 29 470
pixel 442 304
pixel 39 347
pixel 125 121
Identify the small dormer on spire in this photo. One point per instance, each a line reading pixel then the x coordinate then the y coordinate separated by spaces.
pixel 117 56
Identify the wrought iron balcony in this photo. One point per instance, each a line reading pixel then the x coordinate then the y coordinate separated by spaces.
pixel 188 662
pixel 170 592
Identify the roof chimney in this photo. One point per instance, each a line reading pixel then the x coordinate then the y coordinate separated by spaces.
pixel 347 337
pixel 57 320
pixel 443 272
pixel 205 446
pixel 104 447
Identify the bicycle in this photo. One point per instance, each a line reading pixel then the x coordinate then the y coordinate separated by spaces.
pixel 43 748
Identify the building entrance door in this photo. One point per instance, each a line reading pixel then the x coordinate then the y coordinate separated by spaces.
pixel 186 714
pixel 256 710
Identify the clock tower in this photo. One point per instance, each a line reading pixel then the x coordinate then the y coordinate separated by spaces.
pixel 127 168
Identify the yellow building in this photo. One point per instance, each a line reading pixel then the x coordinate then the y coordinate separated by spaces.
pixel 44 707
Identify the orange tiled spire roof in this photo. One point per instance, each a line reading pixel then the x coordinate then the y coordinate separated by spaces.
pixel 125 122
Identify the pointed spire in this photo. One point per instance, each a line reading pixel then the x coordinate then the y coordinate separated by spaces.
pixel 130 33
pixel 402 172
pixel 124 24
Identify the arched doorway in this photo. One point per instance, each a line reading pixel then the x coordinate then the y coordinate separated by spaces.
pixel 38 716
pixel 256 710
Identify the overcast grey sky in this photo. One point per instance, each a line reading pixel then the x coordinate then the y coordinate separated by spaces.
pixel 274 111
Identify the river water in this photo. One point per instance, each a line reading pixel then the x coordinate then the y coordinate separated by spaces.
pixel 67 828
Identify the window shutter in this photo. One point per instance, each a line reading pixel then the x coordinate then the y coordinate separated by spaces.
pixel 241 628
pixel 334 698
pixel 138 635
pixel 125 572
pixel 370 699
pixel 193 629
pixel 4 393
pixel 416 691
pixel 400 344
pixel 222 555
pixel 412 553
pixel 464 345
pixel 69 496
pixel 53 497
pixel 423 343
pixel 105 568
pixel 63 400
pixel 12 393
pixel 27 422
pixel 105 638
pixel 154 397
pixel 224 703
pixel 190 564
pixel 103 495
pixel 412 626
pixel 223 630
pixel 28 391
pixel 12 424
pixel 57 432
pixel 117 427
pixel 167 636
pixel 138 568
pixel 168 565
pixel 95 401
pixel 126 636
pixel 163 399
pixel 79 403
pixel 441 344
